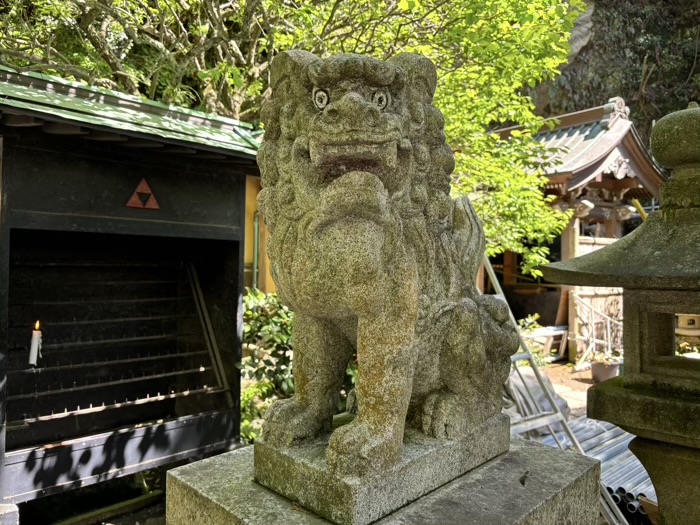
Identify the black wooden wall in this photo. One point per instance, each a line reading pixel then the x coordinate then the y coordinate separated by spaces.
pixel 119 291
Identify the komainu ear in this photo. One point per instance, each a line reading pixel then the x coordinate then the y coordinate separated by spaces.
pixel 291 64
pixel 289 81
pixel 419 74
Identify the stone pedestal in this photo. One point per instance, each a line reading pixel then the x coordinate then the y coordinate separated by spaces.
pixel 300 473
pixel 529 485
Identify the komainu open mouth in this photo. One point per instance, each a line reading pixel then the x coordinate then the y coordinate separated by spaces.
pixel 337 159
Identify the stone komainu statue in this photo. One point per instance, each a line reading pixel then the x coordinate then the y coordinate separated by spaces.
pixel 376 259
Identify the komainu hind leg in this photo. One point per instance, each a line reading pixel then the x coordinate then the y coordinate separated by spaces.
pixel 474 364
pixel 320 359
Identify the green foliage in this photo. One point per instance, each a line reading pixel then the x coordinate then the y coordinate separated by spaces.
pixel 266 367
pixel 348 385
pixel 215 56
pixel 646 51
pixel 255 400
pixel 267 345
pixel 529 323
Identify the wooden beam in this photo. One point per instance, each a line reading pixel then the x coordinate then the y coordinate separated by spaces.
pixel 104 136
pixel 21 121
pixel 510 268
pixel 59 128
pixel 616 184
pixel 143 144
pixel 652 510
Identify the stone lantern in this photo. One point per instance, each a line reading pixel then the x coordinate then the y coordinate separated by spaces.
pixel 658 266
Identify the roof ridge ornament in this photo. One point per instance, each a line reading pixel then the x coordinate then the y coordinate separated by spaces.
pixel 614 108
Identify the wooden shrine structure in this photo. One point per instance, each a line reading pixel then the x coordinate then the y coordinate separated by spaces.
pixel 598 167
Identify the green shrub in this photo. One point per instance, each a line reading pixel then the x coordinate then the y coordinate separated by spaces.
pixel 255 400
pixel 267 345
pixel 266 367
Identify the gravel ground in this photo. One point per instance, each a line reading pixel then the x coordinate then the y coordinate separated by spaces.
pixel 571 385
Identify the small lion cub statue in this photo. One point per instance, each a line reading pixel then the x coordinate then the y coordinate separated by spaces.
pixel 376 260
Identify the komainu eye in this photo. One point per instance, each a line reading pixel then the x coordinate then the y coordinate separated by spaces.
pixel 320 98
pixel 380 99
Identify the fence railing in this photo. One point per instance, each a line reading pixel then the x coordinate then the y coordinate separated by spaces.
pixel 597 333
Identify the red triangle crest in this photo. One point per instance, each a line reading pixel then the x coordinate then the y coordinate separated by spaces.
pixel 143 198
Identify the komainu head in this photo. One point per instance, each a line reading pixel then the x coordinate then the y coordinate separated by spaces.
pixel 354 153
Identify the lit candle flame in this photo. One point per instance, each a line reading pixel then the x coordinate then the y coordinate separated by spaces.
pixel 36 325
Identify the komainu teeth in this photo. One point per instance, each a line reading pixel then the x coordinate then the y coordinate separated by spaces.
pixel 340 156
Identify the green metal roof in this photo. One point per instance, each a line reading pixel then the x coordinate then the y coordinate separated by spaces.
pixel 57 99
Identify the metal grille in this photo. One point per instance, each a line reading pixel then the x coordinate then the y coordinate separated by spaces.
pixel 124 339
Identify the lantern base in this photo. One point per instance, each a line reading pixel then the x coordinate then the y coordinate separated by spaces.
pixel 674 472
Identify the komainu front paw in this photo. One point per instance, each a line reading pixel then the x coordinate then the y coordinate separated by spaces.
pixel 357 449
pixel 288 422
pixel 446 415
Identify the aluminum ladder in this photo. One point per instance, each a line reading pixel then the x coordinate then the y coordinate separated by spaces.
pixel 544 418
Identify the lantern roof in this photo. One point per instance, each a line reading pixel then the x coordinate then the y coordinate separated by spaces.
pixel 663 252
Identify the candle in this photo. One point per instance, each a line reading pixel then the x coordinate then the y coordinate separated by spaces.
pixel 35 348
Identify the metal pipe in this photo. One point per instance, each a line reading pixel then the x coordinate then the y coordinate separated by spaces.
pixel 625 474
pixel 622 472
pixel 637 479
pixel 256 243
pixel 614 463
pixel 594 442
pixel 633 507
pixel 614 450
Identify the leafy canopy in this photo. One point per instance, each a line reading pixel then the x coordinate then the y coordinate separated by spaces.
pixel 214 55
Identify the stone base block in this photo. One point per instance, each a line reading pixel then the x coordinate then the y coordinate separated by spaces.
pixel 9 515
pixel 300 473
pixel 529 485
